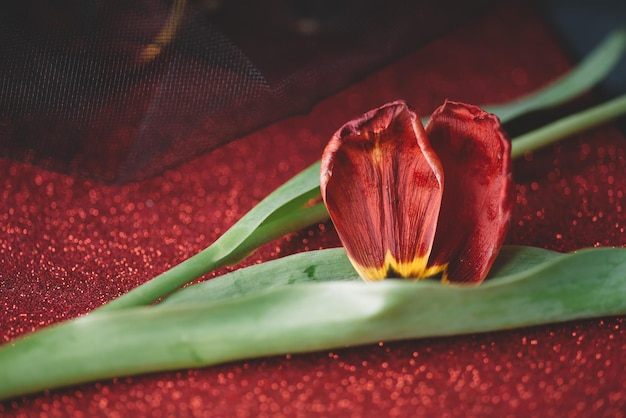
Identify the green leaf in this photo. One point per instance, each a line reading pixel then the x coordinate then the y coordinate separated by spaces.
pixel 517 259
pixel 594 68
pixel 315 316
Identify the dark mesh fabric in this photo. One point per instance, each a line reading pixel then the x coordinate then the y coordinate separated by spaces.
pixel 118 90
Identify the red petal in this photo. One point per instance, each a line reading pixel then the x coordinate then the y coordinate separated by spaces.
pixel 478 199
pixel 382 185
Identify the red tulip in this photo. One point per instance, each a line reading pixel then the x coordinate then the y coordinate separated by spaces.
pixel 397 215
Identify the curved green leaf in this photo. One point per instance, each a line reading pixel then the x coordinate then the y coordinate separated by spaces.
pixel 313 316
pixel 594 68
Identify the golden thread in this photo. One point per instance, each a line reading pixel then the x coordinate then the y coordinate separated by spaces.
pixel 166 35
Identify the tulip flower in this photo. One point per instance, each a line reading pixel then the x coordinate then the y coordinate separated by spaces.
pixel 410 201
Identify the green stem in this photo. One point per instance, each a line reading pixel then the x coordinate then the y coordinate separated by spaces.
pixel 567 126
pixel 291 222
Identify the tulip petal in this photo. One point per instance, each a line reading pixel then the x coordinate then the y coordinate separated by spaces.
pixel 478 199
pixel 382 185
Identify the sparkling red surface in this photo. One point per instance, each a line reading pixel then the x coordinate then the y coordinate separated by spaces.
pixel 68 245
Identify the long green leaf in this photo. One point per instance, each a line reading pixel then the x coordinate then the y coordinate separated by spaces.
pixel 593 69
pixel 311 316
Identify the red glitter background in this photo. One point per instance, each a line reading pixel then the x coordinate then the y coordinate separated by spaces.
pixel 68 245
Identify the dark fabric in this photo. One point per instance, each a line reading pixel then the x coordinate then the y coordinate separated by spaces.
pixel 119 90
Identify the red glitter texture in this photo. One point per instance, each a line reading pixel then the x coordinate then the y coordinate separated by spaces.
pixel 69 245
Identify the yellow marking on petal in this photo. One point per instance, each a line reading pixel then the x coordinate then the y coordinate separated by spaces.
pixel 437 270
pixel 377 155
pixel 391 268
